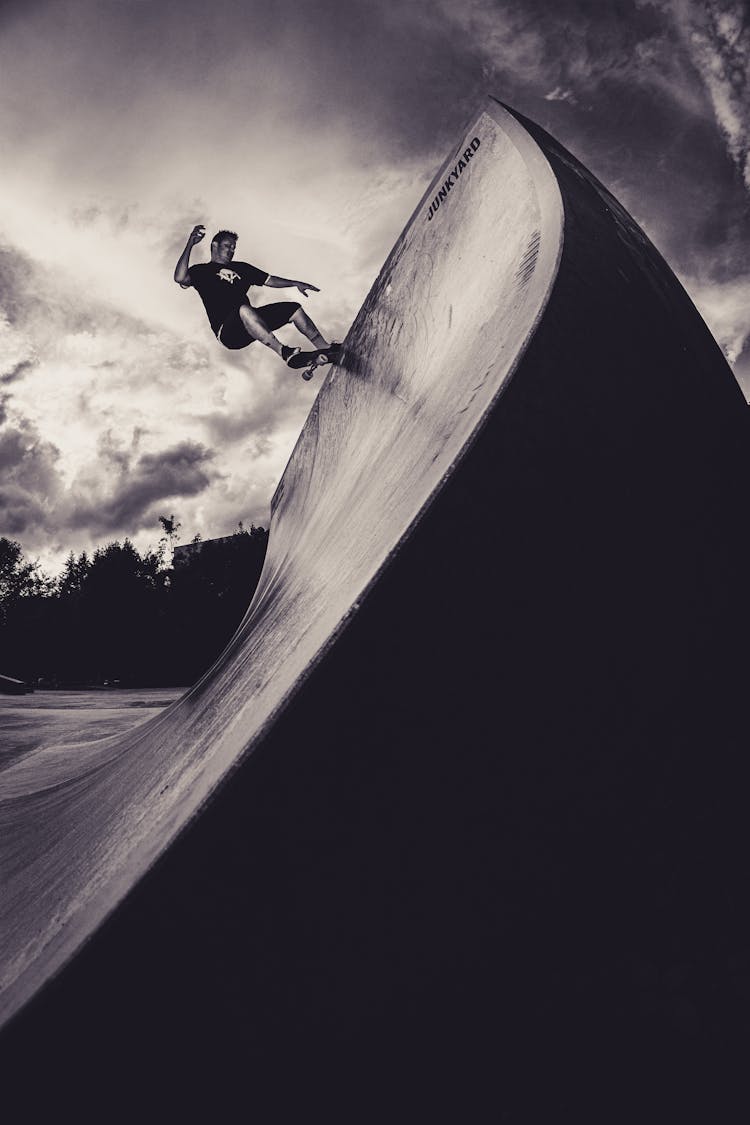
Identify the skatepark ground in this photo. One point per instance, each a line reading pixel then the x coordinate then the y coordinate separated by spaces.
pixel 45 717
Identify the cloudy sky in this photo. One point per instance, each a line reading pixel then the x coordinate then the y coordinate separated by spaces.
pixel 311 127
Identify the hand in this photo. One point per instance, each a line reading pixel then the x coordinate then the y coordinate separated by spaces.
pixel 303 287
pixel 196 234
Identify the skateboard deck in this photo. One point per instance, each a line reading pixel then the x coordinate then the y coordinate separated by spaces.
pixel 310 361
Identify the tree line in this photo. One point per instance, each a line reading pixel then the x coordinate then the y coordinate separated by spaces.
pixel 124 617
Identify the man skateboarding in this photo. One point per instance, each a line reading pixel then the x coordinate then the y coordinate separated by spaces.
pixel 222 285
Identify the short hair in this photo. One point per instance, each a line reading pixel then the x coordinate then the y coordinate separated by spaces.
pixel 220 234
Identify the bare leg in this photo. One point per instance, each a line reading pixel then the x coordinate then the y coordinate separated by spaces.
pixel 257 328
pixel 302 321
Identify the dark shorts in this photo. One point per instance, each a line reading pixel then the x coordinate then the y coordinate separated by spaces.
pixel 234 335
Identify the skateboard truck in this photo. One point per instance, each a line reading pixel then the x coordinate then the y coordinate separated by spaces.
pixel 318 361
pixel 311 360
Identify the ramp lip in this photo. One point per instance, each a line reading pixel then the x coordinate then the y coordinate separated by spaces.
pixel 552 214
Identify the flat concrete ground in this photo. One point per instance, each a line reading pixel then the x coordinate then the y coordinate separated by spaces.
pixel 44 717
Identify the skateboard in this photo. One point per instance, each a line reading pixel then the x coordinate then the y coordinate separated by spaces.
pixel 310 361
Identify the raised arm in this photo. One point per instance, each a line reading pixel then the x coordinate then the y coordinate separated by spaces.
pixel 183 262
pixel 286 283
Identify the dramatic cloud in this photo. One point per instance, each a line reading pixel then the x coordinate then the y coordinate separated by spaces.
pixel 717 37
pixel 742 370
pixel 17 355
pixel 115 400
pixel 125 490
pixel 16 371
pixel 30 484
pixel 725 309
pixel 120 491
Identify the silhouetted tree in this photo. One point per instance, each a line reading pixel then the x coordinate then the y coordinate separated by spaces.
pixel 122 615
pixel 210 592
pixel 18 578
pixel 170 529
pixel 71 582
pixel 25 596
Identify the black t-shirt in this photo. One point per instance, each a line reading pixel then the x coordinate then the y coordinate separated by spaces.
pixel 224 288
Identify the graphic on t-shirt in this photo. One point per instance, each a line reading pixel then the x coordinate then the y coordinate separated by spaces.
pixel 223 290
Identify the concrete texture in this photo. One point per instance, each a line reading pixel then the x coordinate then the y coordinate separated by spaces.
pixel 69 716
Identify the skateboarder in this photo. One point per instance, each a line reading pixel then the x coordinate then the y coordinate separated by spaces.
pixel 222 285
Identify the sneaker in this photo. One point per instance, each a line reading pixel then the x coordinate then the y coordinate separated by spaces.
pixel 289 353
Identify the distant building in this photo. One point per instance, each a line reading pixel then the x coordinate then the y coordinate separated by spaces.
pixel 187 551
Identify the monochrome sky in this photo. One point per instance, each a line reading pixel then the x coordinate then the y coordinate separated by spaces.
pixel 312 128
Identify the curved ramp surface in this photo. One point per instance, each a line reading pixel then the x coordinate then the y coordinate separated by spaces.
pixel 493 674
pixel 439 335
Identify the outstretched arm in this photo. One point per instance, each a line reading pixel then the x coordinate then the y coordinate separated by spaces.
pixel 286 283
pixel 183 262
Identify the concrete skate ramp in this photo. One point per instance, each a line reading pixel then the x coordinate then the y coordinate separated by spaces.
pixel 493 677
pixel 440 333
